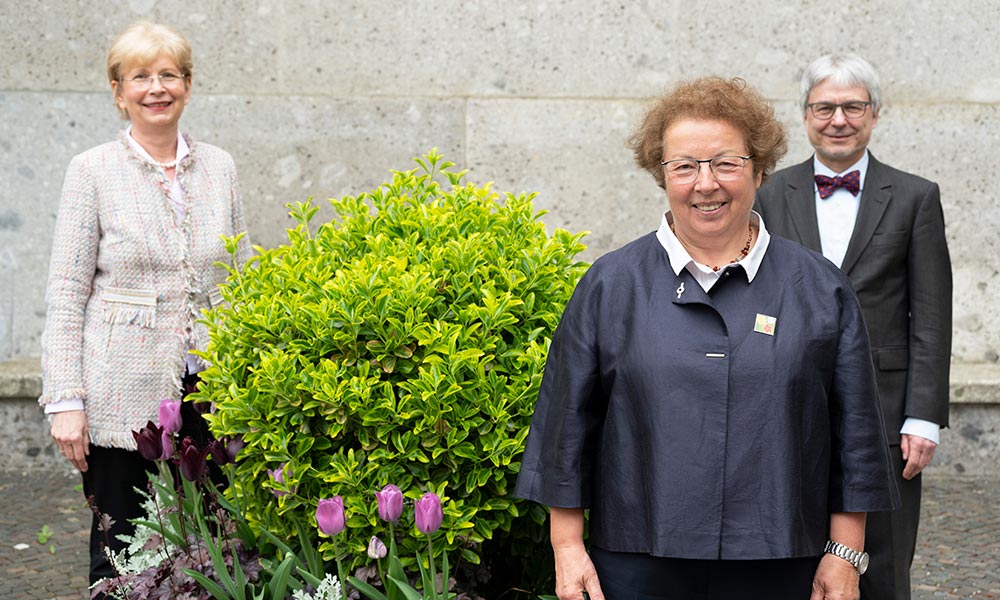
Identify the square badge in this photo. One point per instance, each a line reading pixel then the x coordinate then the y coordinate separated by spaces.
pixel 765 324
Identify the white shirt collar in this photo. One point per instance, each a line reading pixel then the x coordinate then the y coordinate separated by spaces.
pixel 182 147
pixel 706 277
pixel 862 165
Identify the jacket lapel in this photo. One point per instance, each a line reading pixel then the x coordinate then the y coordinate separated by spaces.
pixel 800 204
pixel 875 198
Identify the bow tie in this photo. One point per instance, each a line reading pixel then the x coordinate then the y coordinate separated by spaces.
pixel 850 182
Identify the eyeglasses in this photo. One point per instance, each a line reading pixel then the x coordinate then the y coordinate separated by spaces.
pixel 143 81
pixel 825 110
pixel 724 168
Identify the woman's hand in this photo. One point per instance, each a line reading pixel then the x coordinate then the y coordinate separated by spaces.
pixel 836 579
pixel 69 430
pixel 575 573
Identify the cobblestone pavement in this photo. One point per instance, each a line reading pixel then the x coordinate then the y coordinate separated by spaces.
pixel 56 568
pixel 958 548
pixel 958 553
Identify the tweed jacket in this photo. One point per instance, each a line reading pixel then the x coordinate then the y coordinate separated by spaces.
pixel 127 284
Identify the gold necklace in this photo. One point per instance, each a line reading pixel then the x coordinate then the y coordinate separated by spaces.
pixel 743 252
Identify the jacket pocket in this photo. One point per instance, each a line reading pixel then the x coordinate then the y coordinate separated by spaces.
pixel 890 238
pixel 892 359
pixel 129 306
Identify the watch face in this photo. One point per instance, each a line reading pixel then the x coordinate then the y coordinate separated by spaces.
pixel 863 563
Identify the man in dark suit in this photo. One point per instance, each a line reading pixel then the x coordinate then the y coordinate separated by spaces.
pixel 885 229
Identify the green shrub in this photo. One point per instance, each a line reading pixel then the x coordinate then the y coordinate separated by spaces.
pixel 401 343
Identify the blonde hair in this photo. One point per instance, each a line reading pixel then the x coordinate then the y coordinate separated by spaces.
pixel 140 44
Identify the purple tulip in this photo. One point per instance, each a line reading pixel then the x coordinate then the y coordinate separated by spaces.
pixel 167 442
pixel 170 415
pixel 376 549
pixel 192 460
pixel 330 515
pixel 390 503
pixel 217 452
pixel 233 447
pixel 427 513
pixel 278 475
pixel 148 441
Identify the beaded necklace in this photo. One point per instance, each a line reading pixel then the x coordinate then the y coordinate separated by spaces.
pixel 166 165
pixel 743 252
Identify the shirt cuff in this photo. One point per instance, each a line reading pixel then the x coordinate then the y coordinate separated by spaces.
pixel 921 428
pixel 64 405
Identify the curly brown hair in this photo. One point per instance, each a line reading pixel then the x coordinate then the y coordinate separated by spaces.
pixel 712 98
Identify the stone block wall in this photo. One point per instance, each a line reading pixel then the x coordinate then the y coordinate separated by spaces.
pixel 323 98
pixel 968 447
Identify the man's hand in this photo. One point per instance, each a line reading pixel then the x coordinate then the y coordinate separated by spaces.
pixel 917 454
pixel 836 579
pixel 69 430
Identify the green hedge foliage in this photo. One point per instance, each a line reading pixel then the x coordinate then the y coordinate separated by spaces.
pixel 402 342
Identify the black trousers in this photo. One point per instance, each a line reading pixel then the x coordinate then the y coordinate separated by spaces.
pixel 112 477
pixel 891 539
pixel 626 576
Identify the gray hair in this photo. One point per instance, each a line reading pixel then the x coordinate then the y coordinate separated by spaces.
pixel 841 70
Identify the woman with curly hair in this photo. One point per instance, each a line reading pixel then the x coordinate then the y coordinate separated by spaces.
pixel 709 394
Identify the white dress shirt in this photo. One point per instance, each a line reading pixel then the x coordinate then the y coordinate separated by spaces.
pixel 703 274
pixel 836 216
pixel 837 213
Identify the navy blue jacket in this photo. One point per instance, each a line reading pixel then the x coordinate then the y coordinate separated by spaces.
pixel 689 434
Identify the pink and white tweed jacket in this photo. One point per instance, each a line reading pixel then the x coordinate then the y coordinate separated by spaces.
pixel 127 284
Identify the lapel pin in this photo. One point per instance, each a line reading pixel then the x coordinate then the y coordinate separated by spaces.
pixel 765 324
pixel 680 290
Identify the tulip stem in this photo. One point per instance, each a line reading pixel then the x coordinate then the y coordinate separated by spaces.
pixel 340 570
pixel 390 551
pixel 430 559
pixel 159 512
pixel 179 499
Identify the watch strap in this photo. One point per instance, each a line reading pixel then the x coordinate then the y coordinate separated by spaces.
pixel 841 551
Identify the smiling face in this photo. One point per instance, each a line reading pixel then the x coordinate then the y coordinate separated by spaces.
pixel 708 212
pixel 839 142
pixel 153 107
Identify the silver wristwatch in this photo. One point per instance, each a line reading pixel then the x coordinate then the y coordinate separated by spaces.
pixel 858 559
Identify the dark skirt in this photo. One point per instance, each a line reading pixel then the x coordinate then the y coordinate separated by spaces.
pixel 625 576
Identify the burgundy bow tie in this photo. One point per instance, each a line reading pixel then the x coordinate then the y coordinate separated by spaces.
pixel 850 182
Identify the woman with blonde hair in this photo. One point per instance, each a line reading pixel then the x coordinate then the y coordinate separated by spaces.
pixel 133 264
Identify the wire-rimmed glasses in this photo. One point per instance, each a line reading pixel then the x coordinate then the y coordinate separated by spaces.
pixel 824 111
pixel 724 168
pixel 144 81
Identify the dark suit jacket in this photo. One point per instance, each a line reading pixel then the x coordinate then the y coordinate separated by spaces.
pixel 898 262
